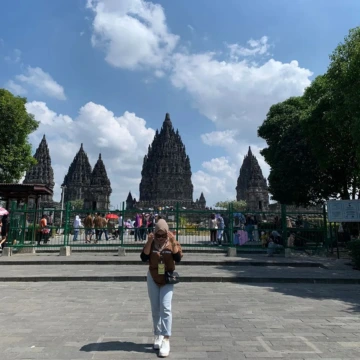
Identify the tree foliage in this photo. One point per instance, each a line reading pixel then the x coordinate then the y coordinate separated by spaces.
pixel 313 148
pixel 15 126
pixel 235 205
pixel 77 204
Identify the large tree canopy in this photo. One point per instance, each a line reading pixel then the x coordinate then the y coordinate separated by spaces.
pixel 15 126
pixel 313 140
pixel 294 172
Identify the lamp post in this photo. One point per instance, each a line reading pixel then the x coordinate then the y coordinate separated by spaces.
pixel 63 187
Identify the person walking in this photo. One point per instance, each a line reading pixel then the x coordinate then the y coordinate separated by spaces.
pixel 76 226
pixel 162 251
pixel 213 228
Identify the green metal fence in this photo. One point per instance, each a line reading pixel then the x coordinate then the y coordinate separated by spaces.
pixel 298 230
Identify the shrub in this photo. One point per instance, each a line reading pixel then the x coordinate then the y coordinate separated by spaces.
pixel 354 247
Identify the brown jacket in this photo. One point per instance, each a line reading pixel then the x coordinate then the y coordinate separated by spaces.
pixel 88 222
pixel 98 222
pixel 168 259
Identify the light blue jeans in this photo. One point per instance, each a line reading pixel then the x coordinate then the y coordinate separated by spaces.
pixel 160 300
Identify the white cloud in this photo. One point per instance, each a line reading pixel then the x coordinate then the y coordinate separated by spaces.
pixel 133 33
pixel 38 80
pixel 15 88
pixel 235 94
pixel 256 47
pixel 220 138
pixel 14 57
pixel 122 140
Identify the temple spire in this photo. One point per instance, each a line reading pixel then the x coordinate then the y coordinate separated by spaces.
pixel 78 176
pixel 167 122
pixel 42 172
pixel 251 184
pixel 99 175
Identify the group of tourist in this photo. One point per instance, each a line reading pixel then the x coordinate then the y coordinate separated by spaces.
pixel 96 225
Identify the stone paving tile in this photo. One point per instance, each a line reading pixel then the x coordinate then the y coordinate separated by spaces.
pixel 92 320
pixel 200 272
pixel 218 257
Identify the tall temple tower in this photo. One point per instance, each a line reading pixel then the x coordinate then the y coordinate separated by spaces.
pixel 252 185
pixel 166 172
pixel 78 178
pixel 98 194
pixel 42 172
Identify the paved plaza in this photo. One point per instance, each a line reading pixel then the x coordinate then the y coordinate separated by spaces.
pixel 95 320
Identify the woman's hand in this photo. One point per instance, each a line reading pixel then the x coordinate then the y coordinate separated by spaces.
pixel 147 247
pixel 150 238
pixel 172 241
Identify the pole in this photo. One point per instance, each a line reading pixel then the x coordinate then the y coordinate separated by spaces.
pixel 62 205
pixel 122 229
pixel 326 240
pixel 177 221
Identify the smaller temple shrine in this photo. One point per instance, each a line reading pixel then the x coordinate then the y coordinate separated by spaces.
pixel 252 185
pixel 83 183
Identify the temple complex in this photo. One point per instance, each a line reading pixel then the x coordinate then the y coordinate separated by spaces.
pixel 83 183
pixel 252 185
pixel 166 173
pixel 42 173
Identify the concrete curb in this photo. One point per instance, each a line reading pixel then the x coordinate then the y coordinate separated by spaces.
pixel 182 263
pixel 184 279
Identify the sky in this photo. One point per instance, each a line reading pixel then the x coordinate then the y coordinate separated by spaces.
pixel 105 72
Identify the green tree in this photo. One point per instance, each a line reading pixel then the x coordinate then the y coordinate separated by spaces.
pixel 313 140
pixel 294 172
pixel 331 139
pixel 77 204
pixel 236 205
pixel 15 126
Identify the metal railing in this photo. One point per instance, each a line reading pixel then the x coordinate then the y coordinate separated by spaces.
pixel 244 229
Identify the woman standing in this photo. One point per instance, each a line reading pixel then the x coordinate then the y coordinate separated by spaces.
pixel 4 231
pixel 162 251
pixel 76 225
pixel 213 228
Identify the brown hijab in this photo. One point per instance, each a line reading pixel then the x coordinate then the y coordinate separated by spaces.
pixel 162 226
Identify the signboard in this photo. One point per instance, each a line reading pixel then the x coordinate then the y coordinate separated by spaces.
pixel 343 210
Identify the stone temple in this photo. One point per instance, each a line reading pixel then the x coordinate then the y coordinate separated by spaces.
pixel 42 173
pixel 166 173
pixel 252 185
pixel 83 183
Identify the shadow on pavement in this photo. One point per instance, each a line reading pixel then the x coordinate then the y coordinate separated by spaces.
pixel 349 294
pixel 118 346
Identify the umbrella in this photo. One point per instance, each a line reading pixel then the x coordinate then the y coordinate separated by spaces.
pixel 112 216
pixel 3 211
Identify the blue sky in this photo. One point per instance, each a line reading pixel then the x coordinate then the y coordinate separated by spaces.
pixel 94 71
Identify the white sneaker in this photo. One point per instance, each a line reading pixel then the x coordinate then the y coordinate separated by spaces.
pixel 165 348
pixel 157 342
